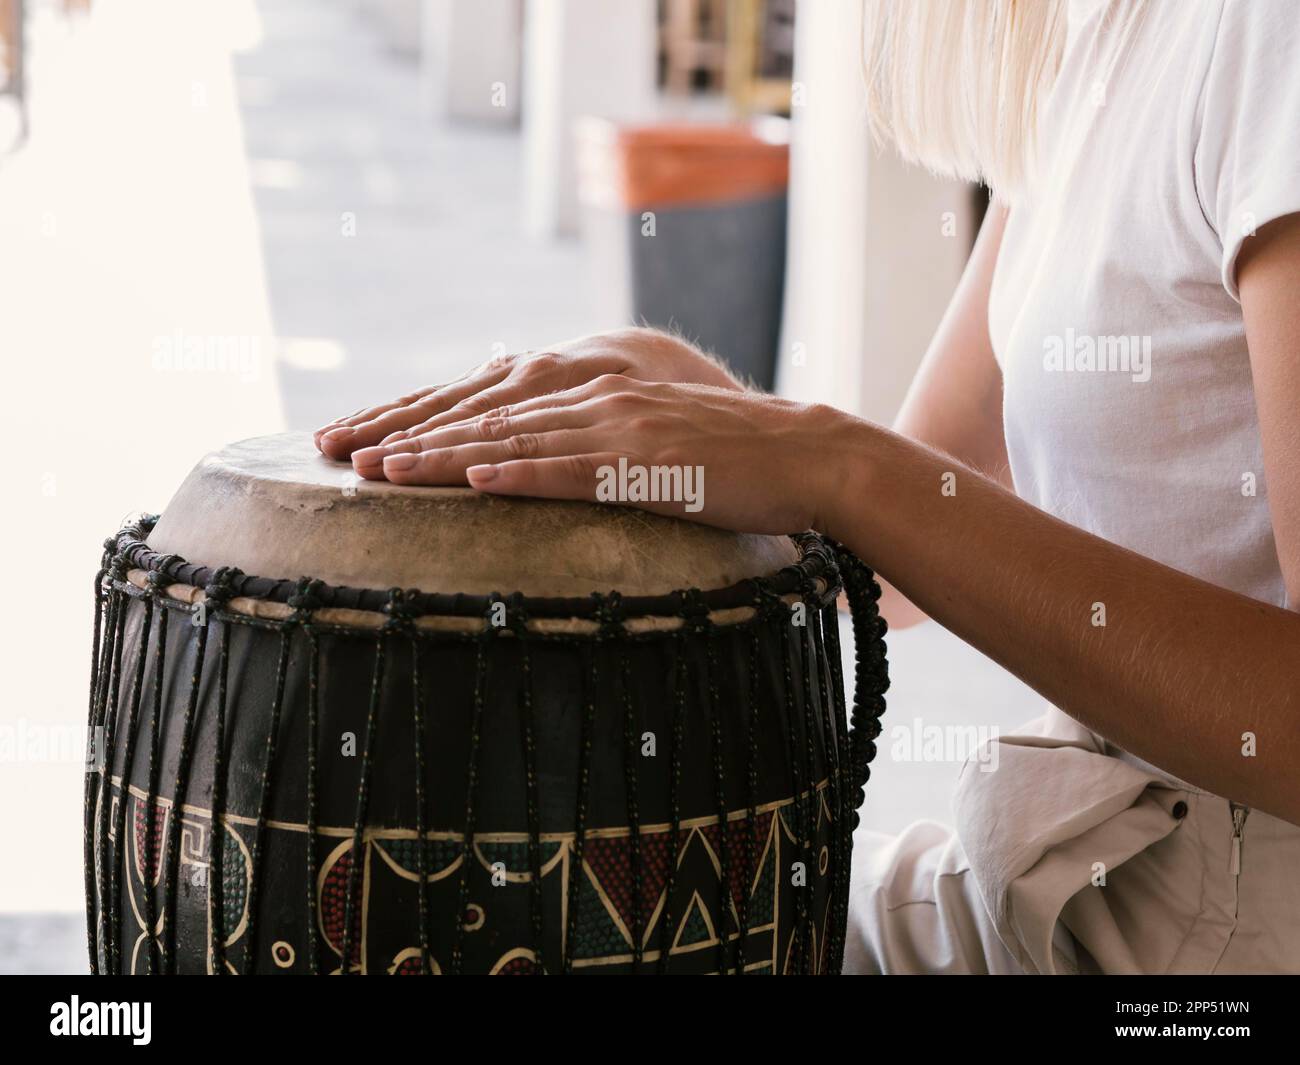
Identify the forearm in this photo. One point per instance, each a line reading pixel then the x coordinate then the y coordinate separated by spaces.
pixel 1177 673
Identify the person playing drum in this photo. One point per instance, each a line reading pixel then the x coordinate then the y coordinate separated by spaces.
pixel 1098 526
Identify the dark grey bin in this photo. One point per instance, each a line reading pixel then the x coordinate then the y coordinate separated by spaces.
pixel 686 229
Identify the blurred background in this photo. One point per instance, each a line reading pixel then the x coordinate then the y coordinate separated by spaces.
pixel 225 218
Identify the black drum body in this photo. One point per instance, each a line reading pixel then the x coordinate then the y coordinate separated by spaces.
pixel 305 779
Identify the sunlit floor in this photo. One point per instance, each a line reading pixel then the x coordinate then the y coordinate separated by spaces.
pixel 189 169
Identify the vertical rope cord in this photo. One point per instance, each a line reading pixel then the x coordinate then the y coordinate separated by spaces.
pixel 157 587
pixel 421 819
pixel 674 801
pixel 843 774
pixel 751 787
pixel 218 593
pixel 88 811
pixel 580 815
pixel 363 804
pixel 471 792
pixel 870 681
pixel 216 874
pixel 719 794
pixel 631 751
pixel 105 794
pixel 264 801
pixel 528 728
pixel 814 795
pixel 121 852
pixel 171 849
pixel 871 669
pixel 304 602
pixel 313 797
pixel 835 769
pixel 798 805
pixel 817 663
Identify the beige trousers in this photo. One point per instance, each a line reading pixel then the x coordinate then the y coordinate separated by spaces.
pixel 1067 860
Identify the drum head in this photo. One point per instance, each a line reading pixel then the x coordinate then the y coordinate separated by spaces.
pixel 275 507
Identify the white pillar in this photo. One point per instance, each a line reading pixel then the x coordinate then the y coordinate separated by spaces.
pixel 470 58
pixel 581 57
pixel 869 267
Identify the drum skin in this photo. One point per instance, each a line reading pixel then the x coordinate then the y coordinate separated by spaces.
pixel 311 778
pixel 275 506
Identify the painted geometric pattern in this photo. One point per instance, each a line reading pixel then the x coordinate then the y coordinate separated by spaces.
pixel 616 890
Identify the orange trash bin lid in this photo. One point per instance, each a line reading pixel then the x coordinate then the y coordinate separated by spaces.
pixel 635 167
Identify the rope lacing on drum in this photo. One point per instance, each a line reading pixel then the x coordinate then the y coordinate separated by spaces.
pixel 693 609
pixel 766 602
pixel 306 598
pixel 160 577
pixel 517 623
pixel 129 551
pixel 220 588
pixel 516 614
pixel 609 614
pixel 401 608
pixel 871 671
pixel 117 568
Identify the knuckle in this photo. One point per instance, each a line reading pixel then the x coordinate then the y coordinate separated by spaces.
pixel 646 424
pixel 674 456
pixel 579 467
pixel 613 382
pixel 434 457
pixel 492 425
pixel 500 362
pixel 423 406
pixel 523 446
pixel 474 406
pixel 542 364
pixel 622 402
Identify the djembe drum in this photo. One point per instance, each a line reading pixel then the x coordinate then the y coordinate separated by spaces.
pixel 323 776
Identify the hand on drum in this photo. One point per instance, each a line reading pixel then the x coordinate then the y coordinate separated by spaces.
pixel 738 460
pixel 642 354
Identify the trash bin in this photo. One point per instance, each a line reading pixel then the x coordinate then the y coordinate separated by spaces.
pixel 686 229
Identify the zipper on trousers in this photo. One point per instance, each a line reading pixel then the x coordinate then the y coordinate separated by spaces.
pixel 1239 812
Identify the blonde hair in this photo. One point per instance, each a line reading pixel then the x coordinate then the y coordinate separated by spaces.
pixel 956 84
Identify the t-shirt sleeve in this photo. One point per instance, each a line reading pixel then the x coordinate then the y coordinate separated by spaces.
pixel 1247 155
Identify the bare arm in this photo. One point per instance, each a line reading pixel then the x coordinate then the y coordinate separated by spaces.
pixel 955 402
pixel 1182 669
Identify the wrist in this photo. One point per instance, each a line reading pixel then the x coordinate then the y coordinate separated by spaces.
pixel 843 456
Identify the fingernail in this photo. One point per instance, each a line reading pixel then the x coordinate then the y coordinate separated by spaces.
pixel 369 456
pixel 400 462
pixel 481 474
pixel 339 434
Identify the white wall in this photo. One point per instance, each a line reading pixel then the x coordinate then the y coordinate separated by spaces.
pixel 581 57
pixel 869 267
pixel 470 59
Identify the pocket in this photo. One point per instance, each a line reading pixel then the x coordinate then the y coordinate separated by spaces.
pixel 1038 827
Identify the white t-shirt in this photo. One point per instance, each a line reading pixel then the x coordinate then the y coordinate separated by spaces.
pixel 1129 408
